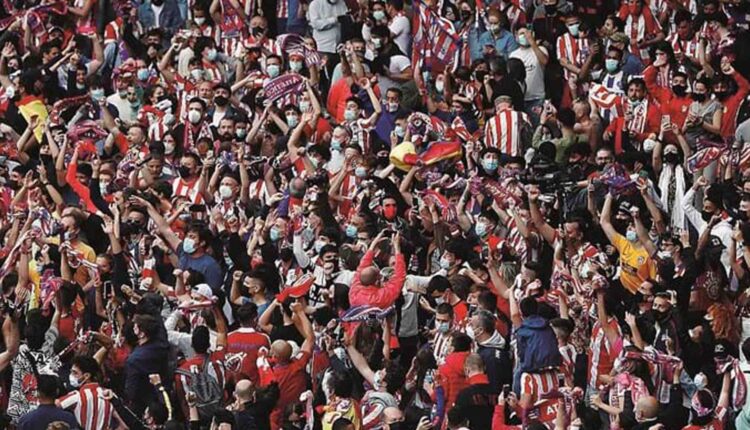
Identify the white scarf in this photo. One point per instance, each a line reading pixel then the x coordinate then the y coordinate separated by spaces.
pixel 667 172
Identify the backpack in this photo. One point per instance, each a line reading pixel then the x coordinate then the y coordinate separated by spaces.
pixel 208 391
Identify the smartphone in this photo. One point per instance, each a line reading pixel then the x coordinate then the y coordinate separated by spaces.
pixel 506 391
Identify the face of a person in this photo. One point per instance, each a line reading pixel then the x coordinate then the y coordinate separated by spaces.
pixel 205 91
pixel 636 92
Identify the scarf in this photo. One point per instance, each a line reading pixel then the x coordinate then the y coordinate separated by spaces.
pixel 624 382
pixel 739 388
pixel 669 172
pixel 662 367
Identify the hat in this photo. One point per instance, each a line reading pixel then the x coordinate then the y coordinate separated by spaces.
pixel 619 37
pixel 297 54
pixel 204 290
pixel 625 207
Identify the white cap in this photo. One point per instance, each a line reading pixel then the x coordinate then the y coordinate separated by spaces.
pixel 204 290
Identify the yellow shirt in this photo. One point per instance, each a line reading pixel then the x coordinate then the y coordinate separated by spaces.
pixel 635 264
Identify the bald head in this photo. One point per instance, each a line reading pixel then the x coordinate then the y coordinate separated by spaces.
pixel 243 390
pixel 369 276
pixel 473 364
pixel 281 350
pixel 646 408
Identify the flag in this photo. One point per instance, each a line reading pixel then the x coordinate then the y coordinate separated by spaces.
pixel 292 42
pixel 435 41
pixel 703 158
pixel 615 178
pixel 32 106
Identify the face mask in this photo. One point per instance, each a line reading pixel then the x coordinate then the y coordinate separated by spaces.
pixel 470 332
pixel 74 382
pixel 631 236
pixel 379 15
pixel 70 235
pixel 439 86
pixel 550 9
pixel 700 98
pixel 443 327
pixel 225 191
pixel 489 165
pixel 721 95
pixel 274 234
pixel 315 162
pixel 273 70
pixel 188 245
pixel 304 106
pixel 319 244
pixel 706 215
pixel 445 263
pixel 10 92
pixel 200 20
pixel 292 121
pixel 169 147
pixel 80 86
pixel 194 116
pixel 671 158
pixel 389 213
pixel 336 144
pixel 522 40
pixel 197 74
pixel 240 133
pixel 495 28
pixel 400 132
pixel 480 229
pixel 295 66
pixel 679 90
pixel 142 74
pixel 122 93
pixel 350 115
pixel 392 107
pixel 611 65
pixel 573 29
pixel 97 94
pixel 221 101
pixel 351 231
pixel 465 14
pixel 360 172
pixel 664 255
pixel 211 55
pixel 660 316
pixel 103 187
pixel 184 172
pixel 377 381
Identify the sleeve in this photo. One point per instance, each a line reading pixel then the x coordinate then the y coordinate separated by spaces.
pixel 69 400
pixel 399 26
pixel 317 22
pixel 619 242
pixel 393 286
pixel 122 143
pixel 743 86
pixel 661 94
pixel 81 191
pixel 299 253
pixel 95 195
pixel 691 212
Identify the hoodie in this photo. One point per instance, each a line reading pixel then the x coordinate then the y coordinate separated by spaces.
pixel 451 376
pixel 497 362
pixel 536 345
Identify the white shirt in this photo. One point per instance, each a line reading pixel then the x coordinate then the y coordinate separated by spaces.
pixel 124 111
pixel 534 72
pixel 399 63
pixel 400 29
pixel 323 18
pixel 157 12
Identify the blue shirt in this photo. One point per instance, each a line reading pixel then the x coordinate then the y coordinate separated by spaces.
pixel 504 43
pixel 631 65
pixel 205 265
pixel 143 361
pixel 43 415
pixel 386 123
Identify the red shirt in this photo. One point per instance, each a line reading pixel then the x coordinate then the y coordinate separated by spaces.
pixel 249 341
pixel 292 380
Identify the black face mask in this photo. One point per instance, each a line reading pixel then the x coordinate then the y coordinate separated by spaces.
pixel 743 216
pixel 671 158
pixel 706 215
pixel 157 2
pixel 479 74
pixel 620 225
pixel 660 316
pixel 221 101
pixel 699 97
pixel 13 185
pixel 722 95
pixel 679 90
pixel 184 172
pixel 286 254
pixel 297 194
pixel 466 15
pixel 396 426
pixel 257 31
pixel 550 9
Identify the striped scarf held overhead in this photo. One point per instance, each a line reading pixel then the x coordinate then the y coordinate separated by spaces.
pixel 739 387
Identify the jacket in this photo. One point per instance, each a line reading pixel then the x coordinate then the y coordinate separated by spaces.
pixel 372 295
pixel 170 18
pixel 537 345
pixel 451 376
pixel 477 402
pixel 496 358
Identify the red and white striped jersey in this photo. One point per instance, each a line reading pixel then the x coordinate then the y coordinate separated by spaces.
pixel 688 48
pixel 537 385
pixel 282 8
pixel 249 341
pixel 186 90
pixel 601 352
pixel 89 406
pixel 348 190
pixel 504 132
pixel 570 48
pixel 183 188
pixel 639 28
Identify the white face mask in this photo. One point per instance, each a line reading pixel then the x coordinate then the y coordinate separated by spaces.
pixel 225 191
pixel 74 382
pixel 197 74
pixel 200 21
pixel 194 116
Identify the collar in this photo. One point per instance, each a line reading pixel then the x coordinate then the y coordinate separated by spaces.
pixel 478 379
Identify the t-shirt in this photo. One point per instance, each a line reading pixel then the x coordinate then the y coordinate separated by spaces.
pixel 249 341
pixel 42 416
pixel 205 265
pixel 534 72
pixel 23 396
pixel 635 264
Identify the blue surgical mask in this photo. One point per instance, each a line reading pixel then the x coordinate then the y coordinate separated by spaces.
pixel 444 327
pixel 379 15
pixel 292 121
pixel 445 263
pixel 351 231
pixel 295 66
pixel 480 229
pixel 188 245
pixel 273 70
pixel 631 236
pixel 489 166
pixel 274 234
pixel 212 54
pixel 143 74
pixel 336 144
pixel 573 29
pixel 400 132
pixel 522 40
pixel 611 65
pixel 360 172
pixel 304 106
pixel 97 94
pixel 350 115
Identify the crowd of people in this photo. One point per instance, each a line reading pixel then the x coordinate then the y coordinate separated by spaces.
pixel 374 214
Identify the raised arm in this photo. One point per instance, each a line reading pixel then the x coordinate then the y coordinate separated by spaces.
pixel 605 221
pixel 548 233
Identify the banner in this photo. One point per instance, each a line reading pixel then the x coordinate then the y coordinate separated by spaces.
pixel 277 88
pixel 31 106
